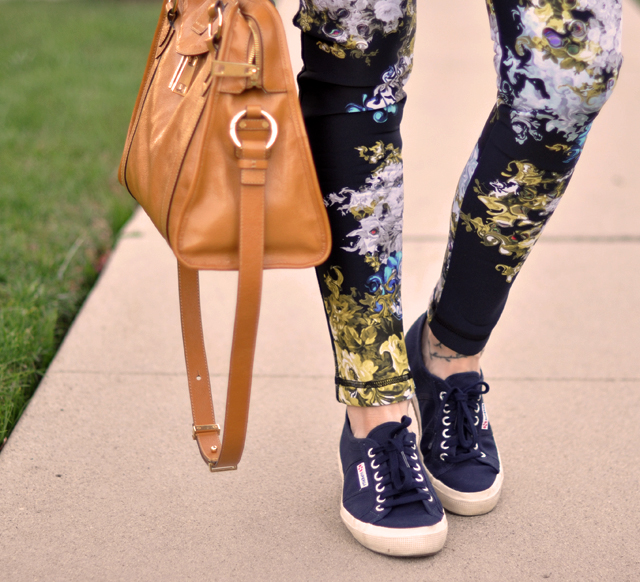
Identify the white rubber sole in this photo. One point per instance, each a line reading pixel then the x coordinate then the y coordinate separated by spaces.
pixel 462 503
pixel 459 502
pixel 416 541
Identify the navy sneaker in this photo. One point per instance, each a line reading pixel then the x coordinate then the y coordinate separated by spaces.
pixel 457 444
pixel 388 503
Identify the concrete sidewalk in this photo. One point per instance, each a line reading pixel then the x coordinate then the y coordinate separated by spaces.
pixel 101 481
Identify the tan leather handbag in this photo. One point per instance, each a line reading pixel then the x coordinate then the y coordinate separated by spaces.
pixel 218 157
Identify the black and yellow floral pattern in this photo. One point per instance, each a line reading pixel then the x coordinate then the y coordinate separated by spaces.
pixel 379 34
pixel 516 208
pixel 366 324
pixel 557 62
pixel 371 358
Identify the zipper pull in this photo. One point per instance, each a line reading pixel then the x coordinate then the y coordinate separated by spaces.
pixel 255 56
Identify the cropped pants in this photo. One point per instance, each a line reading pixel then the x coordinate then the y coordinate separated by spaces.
pixel 557 62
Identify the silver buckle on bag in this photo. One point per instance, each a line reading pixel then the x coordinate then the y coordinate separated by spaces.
pixel 269 122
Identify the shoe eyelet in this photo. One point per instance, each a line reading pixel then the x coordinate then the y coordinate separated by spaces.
pixel 444 421
pixel 374 465
pixel 369 453
pixel 477 422
pixel 476 447
pixel 378 508
pixel 443 445
pixel 377 477
pixel 419 478
pixel 382 487
pixel 445 434
pixel 483 455
pixel 426 490
pixel 380 501
pixel 442 395
pixel 443 455
pixel 413 457
pixel 417 468
pixel 477 408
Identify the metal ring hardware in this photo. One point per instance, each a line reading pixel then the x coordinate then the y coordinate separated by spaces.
pixel 172 9
pixel 217 7
pixel 270 119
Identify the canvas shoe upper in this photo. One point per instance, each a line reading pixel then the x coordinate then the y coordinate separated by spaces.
pixel 459 451
pixel 388 503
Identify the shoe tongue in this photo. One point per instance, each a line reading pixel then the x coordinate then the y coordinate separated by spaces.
pixel 382 433
pixel 464 380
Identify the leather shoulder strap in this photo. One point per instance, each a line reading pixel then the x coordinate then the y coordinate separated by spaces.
pixel 222 456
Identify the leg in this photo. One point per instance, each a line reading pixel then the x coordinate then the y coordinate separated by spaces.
pixel 557 63
pixel 357 57
pixel 359 164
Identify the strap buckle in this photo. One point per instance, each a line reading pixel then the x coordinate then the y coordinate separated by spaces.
pixel 201 428
pixel 214 469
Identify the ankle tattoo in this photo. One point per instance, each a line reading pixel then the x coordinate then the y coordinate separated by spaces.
pixel 438 351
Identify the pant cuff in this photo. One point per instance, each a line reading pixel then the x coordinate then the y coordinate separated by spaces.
pixel 375 392
pixel 454 340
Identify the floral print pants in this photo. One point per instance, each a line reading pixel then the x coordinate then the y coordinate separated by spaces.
pixel 557 62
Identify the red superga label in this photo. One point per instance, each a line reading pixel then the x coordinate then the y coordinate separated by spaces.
pixel 362 476
pixel 485 418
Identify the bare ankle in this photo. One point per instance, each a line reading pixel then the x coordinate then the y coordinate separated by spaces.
pixel 442 361
pixel 364 419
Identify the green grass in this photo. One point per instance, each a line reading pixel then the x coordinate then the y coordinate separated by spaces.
pixel 69 73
